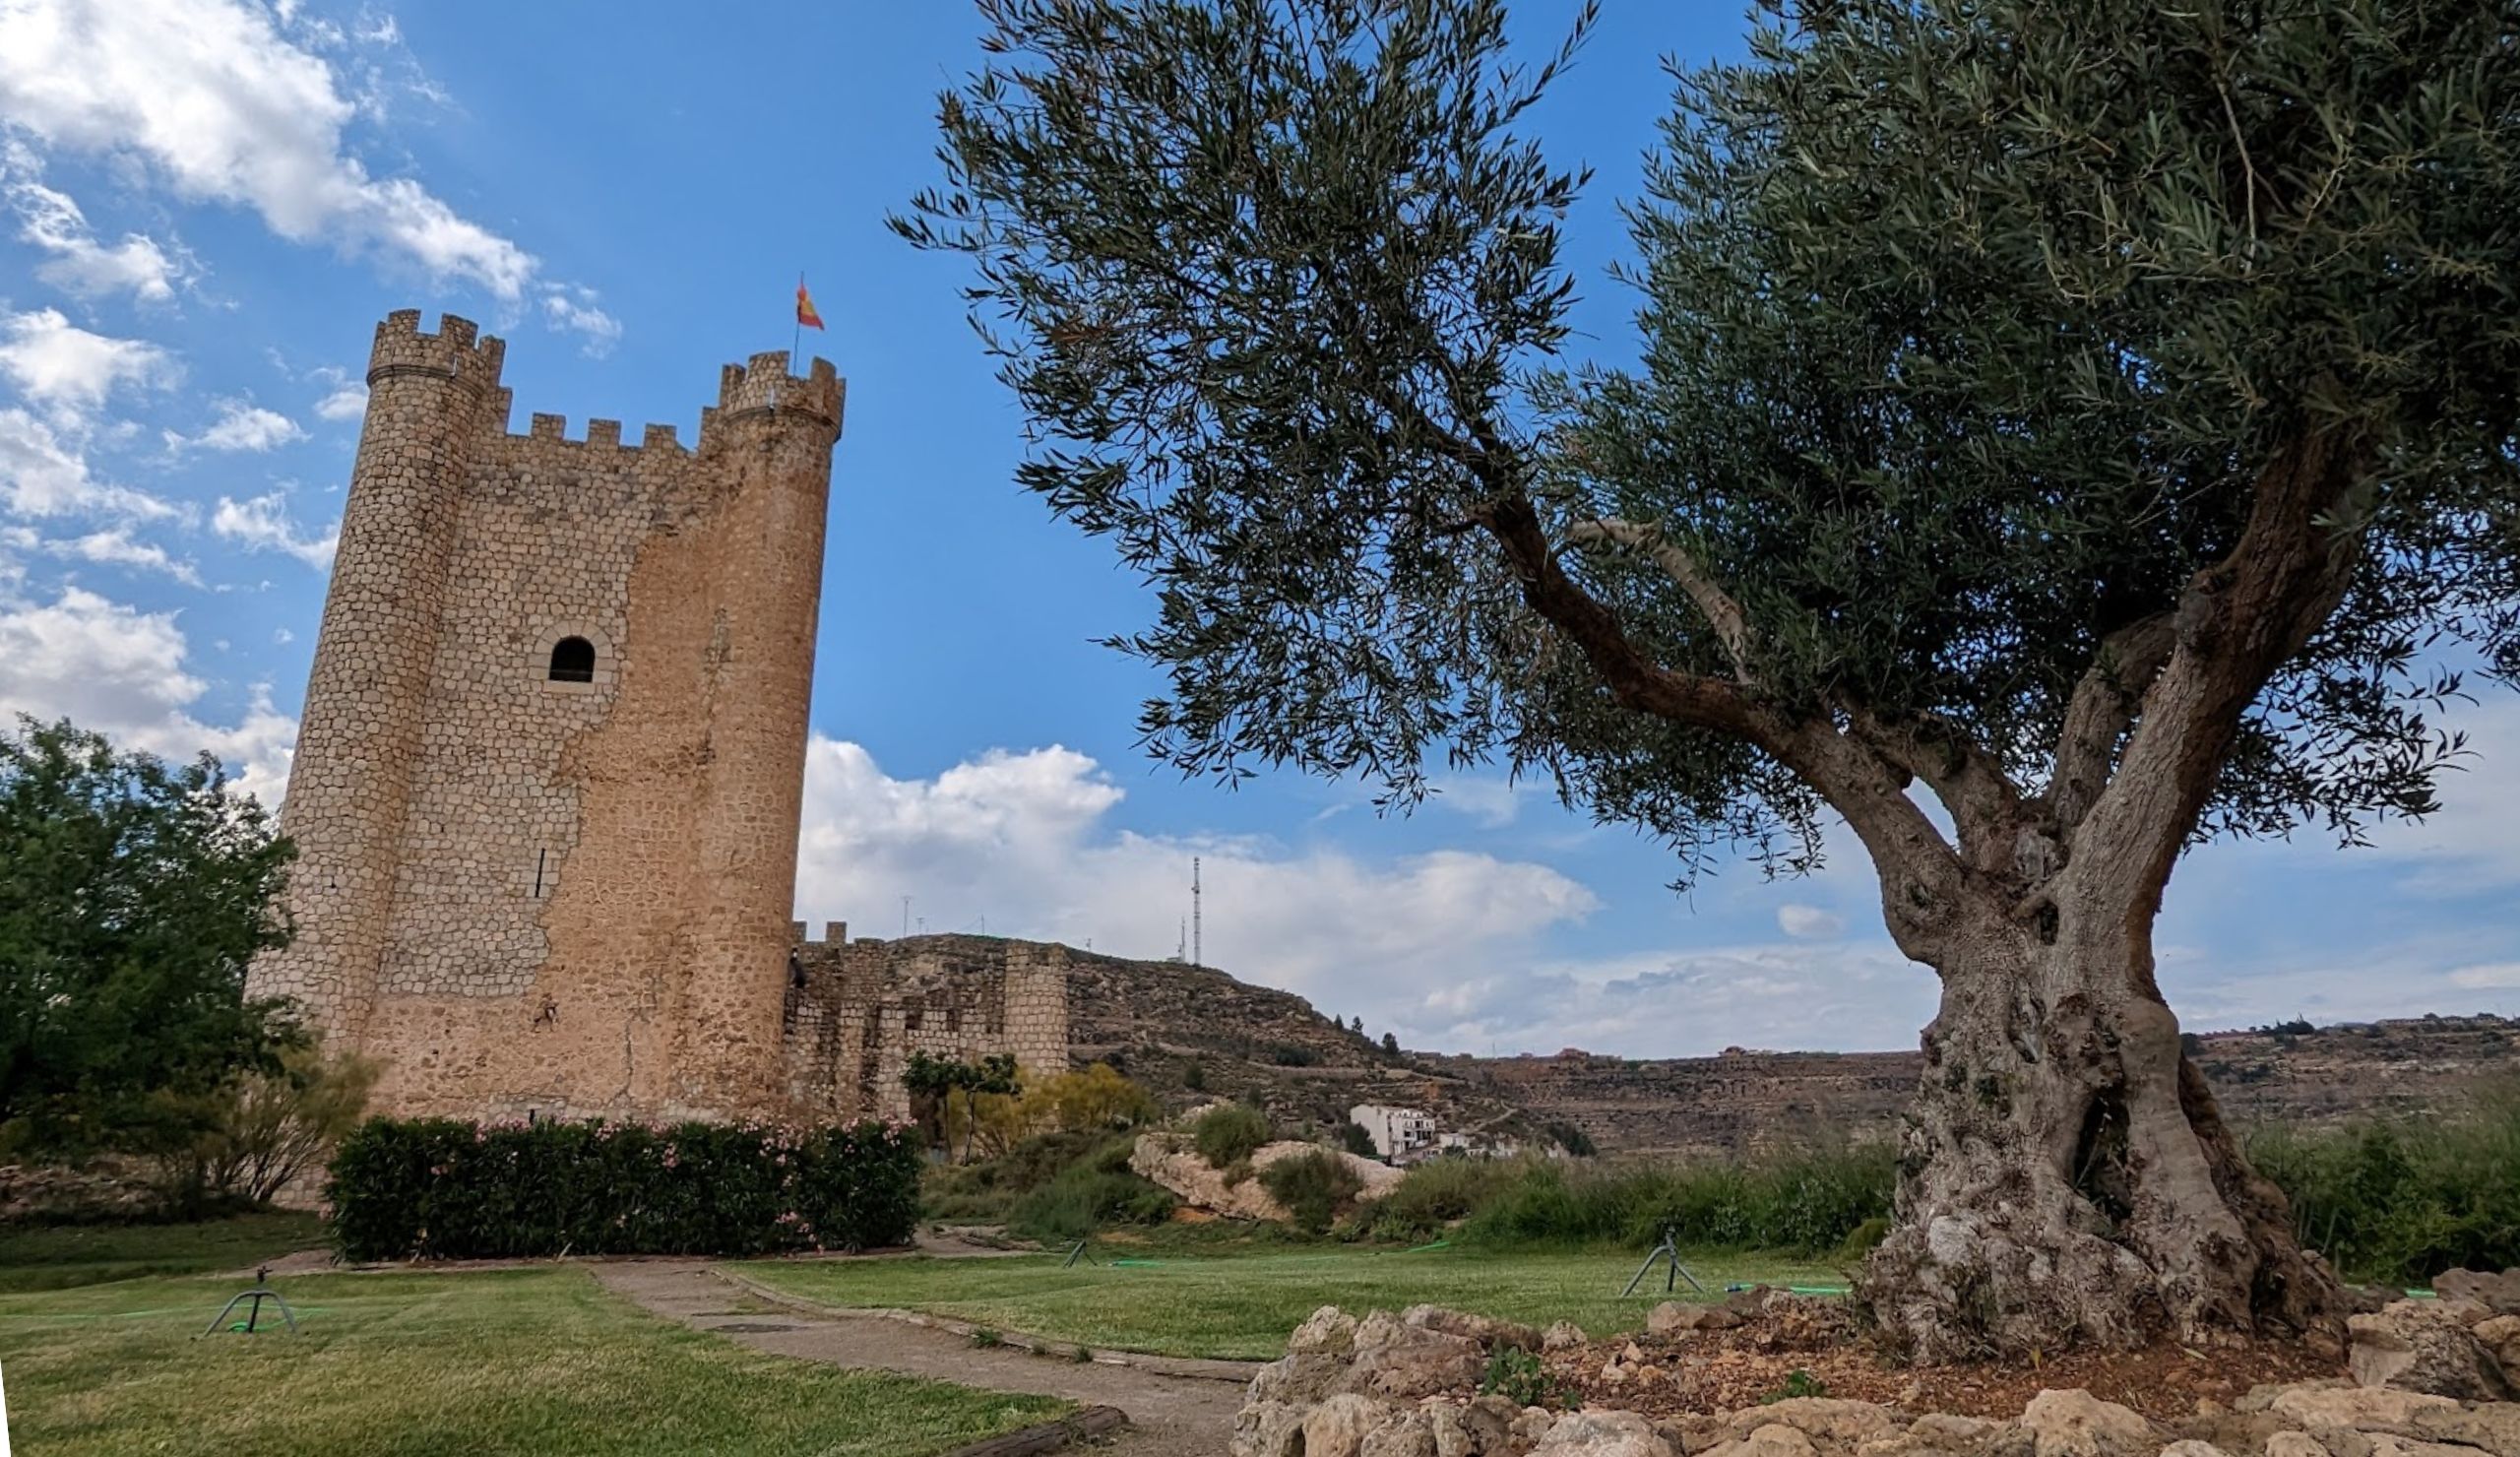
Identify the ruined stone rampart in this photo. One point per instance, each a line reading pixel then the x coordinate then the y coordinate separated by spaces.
pixel 857 1010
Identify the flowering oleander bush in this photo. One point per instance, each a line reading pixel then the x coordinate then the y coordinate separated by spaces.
pixel 404 1187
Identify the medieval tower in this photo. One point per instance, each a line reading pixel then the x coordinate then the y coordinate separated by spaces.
pixel 548 782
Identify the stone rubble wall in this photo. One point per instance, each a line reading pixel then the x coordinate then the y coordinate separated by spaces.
pixel 857 1010
pixel 1408 1386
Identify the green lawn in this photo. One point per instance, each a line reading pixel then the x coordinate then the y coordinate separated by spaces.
pixel 538 1361
pixel 1243 1306
pixel 58 1256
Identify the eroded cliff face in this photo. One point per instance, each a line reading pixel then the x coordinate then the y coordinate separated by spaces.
pixel 1746 1101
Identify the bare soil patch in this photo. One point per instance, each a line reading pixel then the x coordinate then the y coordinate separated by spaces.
pixel 1802 1348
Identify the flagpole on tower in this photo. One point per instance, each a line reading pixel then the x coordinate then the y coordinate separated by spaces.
pixel 797 344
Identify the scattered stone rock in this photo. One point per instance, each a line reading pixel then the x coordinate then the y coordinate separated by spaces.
pixel 1672 1317
pixel 1169 1160
pixel 1828 1420
pixel 1337 1425
pixel 1405 1434
pixel 2495 1427
pixel 1328 1331
pixel 2192 1448
pixel 2295 1444
pixel 1609 1434
pixel 1267 1429
pixel 1487 1330
pixel 2500 1294
pixel 2367 1409
pixel 1393 1360
pixel 1474 1430
pixel 1563 1335
pixel 2415 1346
pixel 2077 1424
pixel 2386 1446
pixel 1299 1377
pixel 1691 1431
pixel 1949 1428
pixel 2501 1336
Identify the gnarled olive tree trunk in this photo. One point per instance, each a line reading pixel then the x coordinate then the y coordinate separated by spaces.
pixel 2064 1177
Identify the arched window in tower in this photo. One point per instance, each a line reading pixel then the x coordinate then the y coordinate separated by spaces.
pixel 573 661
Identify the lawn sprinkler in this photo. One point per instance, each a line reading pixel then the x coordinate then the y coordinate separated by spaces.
pixel 261 1292
pixel 1669 1250
pixel 1077 1252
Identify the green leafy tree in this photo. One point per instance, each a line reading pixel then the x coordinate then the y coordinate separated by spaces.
pixel 133 893
pixel 939 1079
pixel 2093 420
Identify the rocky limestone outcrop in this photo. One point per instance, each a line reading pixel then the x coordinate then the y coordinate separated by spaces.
pixel 1169 1160
pixel 1406 1386
pixel 2458 1346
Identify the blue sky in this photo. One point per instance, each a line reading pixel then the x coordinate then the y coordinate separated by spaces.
pixel 204 207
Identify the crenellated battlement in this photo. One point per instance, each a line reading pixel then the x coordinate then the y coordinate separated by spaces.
pixel 457 351
pixel 764 384
pixel 602 434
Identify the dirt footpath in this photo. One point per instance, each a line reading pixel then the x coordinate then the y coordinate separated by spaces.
pixel 1172 1416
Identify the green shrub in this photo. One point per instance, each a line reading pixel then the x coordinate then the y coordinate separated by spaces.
pixel 2400 1203
pixel 1082 1198
pixel 1861 1240
pixel 1809 1201
pixel 1313 1185
pixel 448 1189
pixel 1435 1194
pixel 988 1190
pixel 1230 1133
pixel 1518 1376
pixel 1354 1139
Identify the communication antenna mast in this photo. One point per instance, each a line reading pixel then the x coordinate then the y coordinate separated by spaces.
pixel 1194 913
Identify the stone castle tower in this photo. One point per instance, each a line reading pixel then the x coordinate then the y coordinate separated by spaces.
pixel 547 787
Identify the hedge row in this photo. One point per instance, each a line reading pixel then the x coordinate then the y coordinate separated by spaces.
pixel 438 1187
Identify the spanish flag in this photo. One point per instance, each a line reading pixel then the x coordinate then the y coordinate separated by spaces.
pixel 806 318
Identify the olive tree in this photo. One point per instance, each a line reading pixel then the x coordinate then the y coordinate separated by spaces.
pixel 2062 434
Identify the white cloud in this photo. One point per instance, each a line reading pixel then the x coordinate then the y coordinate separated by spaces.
pixel 214 100
pixel 1808 923
pixel 2500 976
pixel 81 263
pixel 68 369
pixel 346 400
pixel 241 426
pixel 1690 1003
pixel 262 523
pixel 1022 840
pixel 1493 803
pixel 115 546
pixel 574 311
pixel 111 667
pixel 44 472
